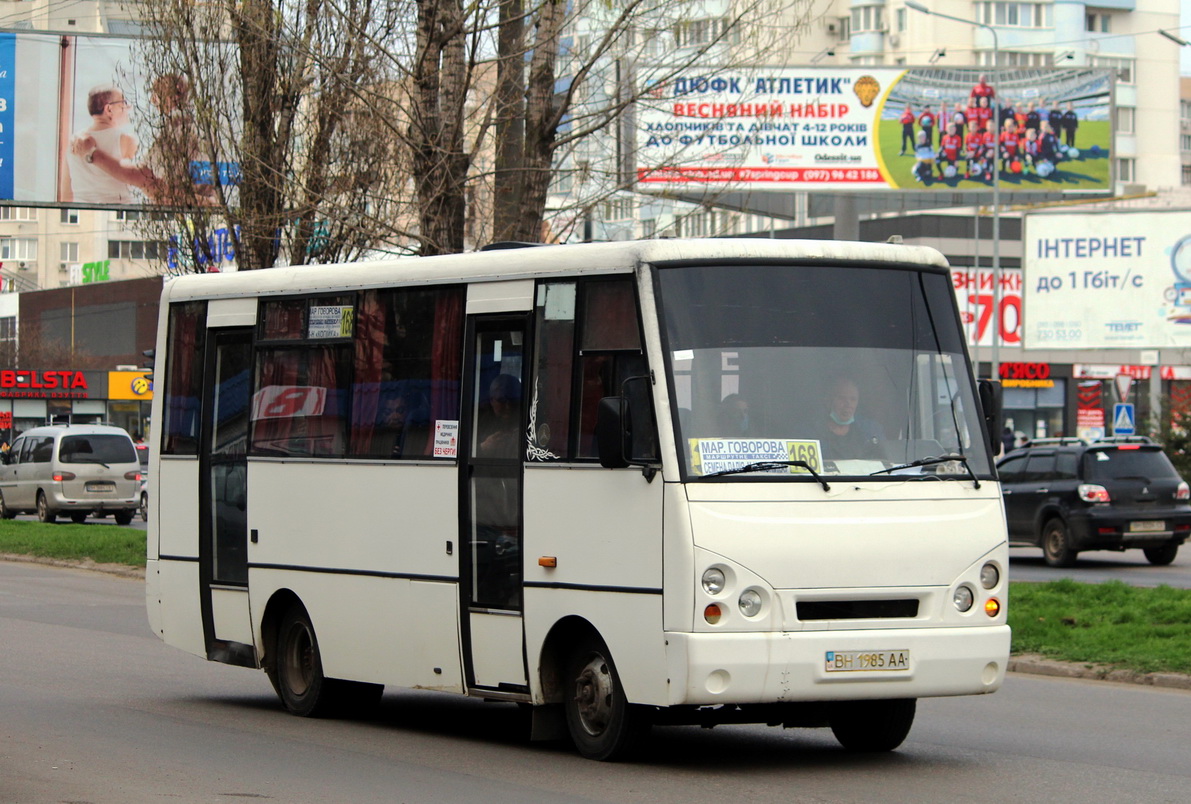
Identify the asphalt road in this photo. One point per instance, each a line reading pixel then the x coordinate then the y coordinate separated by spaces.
pixel 93 708
pixel 1098 566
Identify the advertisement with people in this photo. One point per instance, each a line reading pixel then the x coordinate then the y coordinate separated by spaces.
pixel 874 128
pixel 92 130
pixel 1107 280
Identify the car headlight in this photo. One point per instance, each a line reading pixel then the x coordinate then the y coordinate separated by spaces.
pixel 713 581
pixel 963 598
pixel 750 603
pixel 990 576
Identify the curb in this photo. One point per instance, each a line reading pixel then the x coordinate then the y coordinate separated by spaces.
pixel 122 570
pixel 1032 664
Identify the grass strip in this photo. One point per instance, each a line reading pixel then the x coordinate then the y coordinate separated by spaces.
pixel 1134 628
pixel 103 544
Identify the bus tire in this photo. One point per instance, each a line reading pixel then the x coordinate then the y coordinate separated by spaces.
pixel 871 726
pixel 44 513
pixel 1056 544
pixel 602 723
pixel 298 671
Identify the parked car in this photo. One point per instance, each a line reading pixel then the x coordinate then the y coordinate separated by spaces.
pixel 1067 496
pixel 69 469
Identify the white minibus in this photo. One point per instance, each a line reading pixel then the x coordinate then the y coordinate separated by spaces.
pixel 625 484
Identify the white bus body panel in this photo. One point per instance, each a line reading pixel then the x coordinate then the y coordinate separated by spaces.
pixel 604 529
pixel 372 593
pixel 173 536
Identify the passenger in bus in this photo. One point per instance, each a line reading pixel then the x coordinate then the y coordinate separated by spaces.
pixel 845 435
pixel 733 419
pixel 403 429
pixel 498 428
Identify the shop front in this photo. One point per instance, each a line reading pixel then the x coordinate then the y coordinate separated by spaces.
pixel 31 398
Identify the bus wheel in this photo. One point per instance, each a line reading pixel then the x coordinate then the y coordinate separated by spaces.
pixel 298 669
pixel 602 723
pixel 44 514
pixel 872 725
pixel 1056 544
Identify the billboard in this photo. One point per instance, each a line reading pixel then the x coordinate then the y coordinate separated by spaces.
pixel 1107 280
pixel 80 126
pixel 872 128
pixel 980 305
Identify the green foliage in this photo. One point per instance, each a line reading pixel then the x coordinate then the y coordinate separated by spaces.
pixel 1142 629
pixel 1173 432
pixel 103 544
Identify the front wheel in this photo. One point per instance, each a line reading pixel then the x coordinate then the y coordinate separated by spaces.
pixel 872 725
pixel 1056 544
pixel 602 723
pixel 78 517
pixel 144 507
pixel 123 517
pixel 1161 556
pixel 5 511
pixel 44 513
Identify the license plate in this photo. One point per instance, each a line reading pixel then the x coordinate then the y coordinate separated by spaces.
pixel 867 661
pixel 1147 527
pixel 96 485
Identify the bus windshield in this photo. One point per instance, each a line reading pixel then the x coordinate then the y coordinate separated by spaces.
pixel 852 370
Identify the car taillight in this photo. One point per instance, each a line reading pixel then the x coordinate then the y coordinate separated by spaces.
pixel 60 476
pixel 132 476
pixel 1183 492
pixel 1094 494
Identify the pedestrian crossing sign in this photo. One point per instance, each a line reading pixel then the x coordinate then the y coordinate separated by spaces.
pixel 1122 419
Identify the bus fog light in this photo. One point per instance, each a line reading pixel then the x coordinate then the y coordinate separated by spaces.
pixel 963 598
pixel 990 576
pixel 750 603
pixel 992 607
pixel 713 581
pixel 712 613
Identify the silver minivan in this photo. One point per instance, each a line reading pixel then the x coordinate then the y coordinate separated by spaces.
pixel 76 469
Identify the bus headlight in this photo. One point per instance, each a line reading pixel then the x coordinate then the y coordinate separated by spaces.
pixel 750 603
pixel 713 581
pixel 963 598
pixel 990 576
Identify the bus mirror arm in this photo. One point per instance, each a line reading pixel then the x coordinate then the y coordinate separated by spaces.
pixel 991 395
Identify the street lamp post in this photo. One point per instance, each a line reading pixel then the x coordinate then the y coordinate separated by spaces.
pixel 996 227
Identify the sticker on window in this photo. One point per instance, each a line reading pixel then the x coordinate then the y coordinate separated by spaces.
pixel 712 455
pixel 446 439
pixel 331 321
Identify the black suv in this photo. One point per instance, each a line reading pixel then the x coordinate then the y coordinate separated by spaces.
pixel 1066 495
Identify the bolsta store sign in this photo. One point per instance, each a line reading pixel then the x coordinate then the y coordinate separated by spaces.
pixel 53 384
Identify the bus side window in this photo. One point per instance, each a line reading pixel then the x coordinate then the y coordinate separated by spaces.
pixel 184 378
pixel 588 343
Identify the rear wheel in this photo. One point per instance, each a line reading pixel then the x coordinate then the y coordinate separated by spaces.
pixel 44 514
pixel 144 507
pixel 297 674
pixel 1161 556
pixel 123 517
pixel 1056 544
pixel 602 723
pixel 872 725
pixel 78 517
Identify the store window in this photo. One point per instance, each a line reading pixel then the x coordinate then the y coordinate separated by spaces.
pixel 1037 412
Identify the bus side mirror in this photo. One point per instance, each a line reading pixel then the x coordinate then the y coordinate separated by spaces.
pixel 626 429
pixel 991 395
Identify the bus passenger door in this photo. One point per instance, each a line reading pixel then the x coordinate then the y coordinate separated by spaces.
pixel 223 497
pixel 490 503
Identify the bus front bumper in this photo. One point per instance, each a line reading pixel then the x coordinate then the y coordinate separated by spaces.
pixel 743 668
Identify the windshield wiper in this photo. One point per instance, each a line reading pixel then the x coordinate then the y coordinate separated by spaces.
pixel 937 459
pixel 761 466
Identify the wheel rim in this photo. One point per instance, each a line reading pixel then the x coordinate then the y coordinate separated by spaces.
pixel 594 695
pixel 1054 541
pixel 42 508
pixel 298 661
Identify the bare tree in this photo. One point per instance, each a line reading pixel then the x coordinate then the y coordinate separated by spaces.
pixel 270 129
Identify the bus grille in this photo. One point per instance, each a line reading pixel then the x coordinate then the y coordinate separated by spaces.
pixel 856 609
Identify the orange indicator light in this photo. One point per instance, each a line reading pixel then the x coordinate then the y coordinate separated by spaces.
pixel 992 607
pixel 712 613
pixel 548 561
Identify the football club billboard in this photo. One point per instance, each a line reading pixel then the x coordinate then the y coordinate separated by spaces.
pixel 1107 280
pixel 877 129
pixel 77 120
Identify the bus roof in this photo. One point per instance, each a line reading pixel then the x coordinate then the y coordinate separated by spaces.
pixel 534 262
